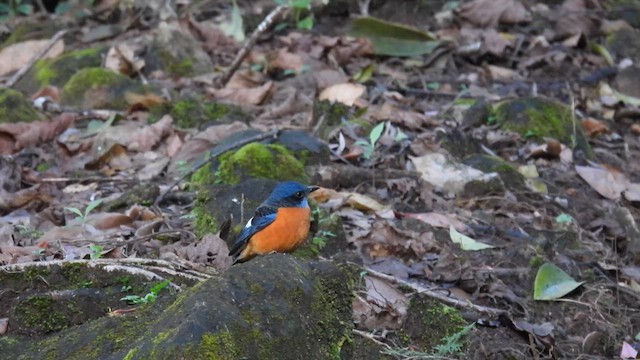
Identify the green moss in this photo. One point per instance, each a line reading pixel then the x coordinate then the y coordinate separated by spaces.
pixel 260 161
pixel 91 82
pixel 190 113
pixel 441 320
pixel 204 222
pixel 131 354
pixel 541 118
pixel 75 273
pixel 33 272
pixel 176 67
pixel 57 71
pixel 39 314
pixel 220 346
pixel 326 300
pixel 14 107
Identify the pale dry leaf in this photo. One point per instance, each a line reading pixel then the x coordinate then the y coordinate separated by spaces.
pixel 607 182
pixel 490 13
pixel 346 93
pixel 438 220
pixel 15 56
pixel 244 96
pixel 121 59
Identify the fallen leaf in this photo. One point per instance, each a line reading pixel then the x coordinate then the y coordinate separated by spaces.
pixel 393 39
pixel 607 182
pixel 16 136
pixel 553 283
pixel 594 127
pixel 15 56
pixel 435 169
pixel 346 93
pixel 466 243
pixel 121 59
pixel 437 220
pixel 490 13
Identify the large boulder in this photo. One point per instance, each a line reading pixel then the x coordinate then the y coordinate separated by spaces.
pixel 273 307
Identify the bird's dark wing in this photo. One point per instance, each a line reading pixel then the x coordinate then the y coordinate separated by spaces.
pixel 263 216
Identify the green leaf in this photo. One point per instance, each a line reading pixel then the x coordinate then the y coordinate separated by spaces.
pixel 466 243
pixel 25 9
pixel 157 287
pixel 553 283
pixel 375 134
pixel 364 74
pixel 393 39
pixel 564 219
pixel 306 23
pixel 92 205
pixel 234 27
pixel 75 211
pixel 301 4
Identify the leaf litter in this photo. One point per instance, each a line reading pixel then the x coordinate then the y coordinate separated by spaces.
pixel 407 138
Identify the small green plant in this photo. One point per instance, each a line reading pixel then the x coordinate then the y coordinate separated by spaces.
pixel 453 344
pixel 83 215
pixel 320 240
pixel 27 232
pixel 14 8
pixel 96 251
pixel 299 7
pixel 374 136
pixel 150 297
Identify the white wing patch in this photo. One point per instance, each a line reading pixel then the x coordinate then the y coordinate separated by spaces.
pixel 249 223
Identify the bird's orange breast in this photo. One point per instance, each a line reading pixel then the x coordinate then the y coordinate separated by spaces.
pixel 284 234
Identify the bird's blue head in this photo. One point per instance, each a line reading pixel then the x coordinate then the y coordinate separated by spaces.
pixel 290 194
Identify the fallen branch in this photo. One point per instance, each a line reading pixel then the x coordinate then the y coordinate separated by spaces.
pixel 20 73
pixel 436 294
pixel 268 21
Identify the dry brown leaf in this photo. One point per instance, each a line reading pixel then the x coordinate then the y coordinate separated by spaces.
pixel 15 56
pixel 608 182
pixel 210 250
pixel 109 158
pixel 409 119
pixel 635 129
pixel 104 221
pixel 283 59
pixel 437 220
pixel 346 93
pixel 15 137
pixel 383 306
pixel 244 96
pixel 490 13
pixel 594 127
pixel 121 59
pixel 576 17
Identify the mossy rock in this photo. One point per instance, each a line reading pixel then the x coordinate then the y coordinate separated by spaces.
pixel 426 313
pixel 58 71
pixel 176 53
pixel 541 118
pixel 215 203
pixel 257 160
pixel 51 297
pixel 493 164
pixel 252 311
pixel 198 113
pixel 14 107
pixel 99 88
pixel 141 194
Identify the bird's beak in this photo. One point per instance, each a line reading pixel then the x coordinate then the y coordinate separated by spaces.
pixel 312 188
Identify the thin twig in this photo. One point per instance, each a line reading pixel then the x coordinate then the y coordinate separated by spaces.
pixel 436 295
pixel 213 155
pixel 20 73
pixel 268 21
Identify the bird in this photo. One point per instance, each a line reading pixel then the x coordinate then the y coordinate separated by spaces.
pixel 280 224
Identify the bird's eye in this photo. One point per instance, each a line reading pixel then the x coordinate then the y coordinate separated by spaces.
pixel 299 194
